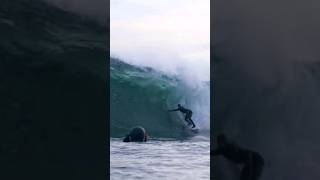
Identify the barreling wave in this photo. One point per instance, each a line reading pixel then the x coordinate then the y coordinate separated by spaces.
pixel 142 96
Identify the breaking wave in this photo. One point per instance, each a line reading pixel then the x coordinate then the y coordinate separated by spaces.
pixel 142 96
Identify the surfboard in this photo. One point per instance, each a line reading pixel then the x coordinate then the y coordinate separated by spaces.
pixel 194 130
pixel 188 128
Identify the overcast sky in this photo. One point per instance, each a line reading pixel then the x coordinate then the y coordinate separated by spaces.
pixel 169 35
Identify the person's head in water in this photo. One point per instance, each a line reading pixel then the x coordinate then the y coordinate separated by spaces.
pixel 137 134
pixel 221 140
pixel 179 105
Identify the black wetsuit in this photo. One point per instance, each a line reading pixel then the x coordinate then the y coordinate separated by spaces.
pixel 188 113
pixel 252 162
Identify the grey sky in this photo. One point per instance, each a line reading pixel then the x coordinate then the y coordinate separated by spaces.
pixel 172 36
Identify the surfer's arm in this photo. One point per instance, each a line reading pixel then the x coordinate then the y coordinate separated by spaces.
pixel 173 110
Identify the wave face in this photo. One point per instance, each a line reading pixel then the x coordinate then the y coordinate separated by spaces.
pixel 142 96
pixel 52 89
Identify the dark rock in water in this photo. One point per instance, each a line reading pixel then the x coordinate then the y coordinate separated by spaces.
pixel 137 134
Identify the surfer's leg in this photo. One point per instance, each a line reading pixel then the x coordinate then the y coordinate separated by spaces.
pixel 245 173
pixel 189 115
pixel 258 164
pixel 187 120
pixel 193 125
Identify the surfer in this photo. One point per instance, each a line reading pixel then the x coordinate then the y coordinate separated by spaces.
pixel 188 113
pixel 252 161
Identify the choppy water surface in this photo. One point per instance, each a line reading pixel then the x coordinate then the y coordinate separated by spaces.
pixel 160 159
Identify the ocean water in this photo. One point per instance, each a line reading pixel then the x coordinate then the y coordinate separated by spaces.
pixel 160 159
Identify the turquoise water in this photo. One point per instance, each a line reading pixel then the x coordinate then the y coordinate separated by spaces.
pixel 161 159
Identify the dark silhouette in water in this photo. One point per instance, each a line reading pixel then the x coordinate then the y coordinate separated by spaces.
pixel 137 134
pixel 188 113
pixel 252 161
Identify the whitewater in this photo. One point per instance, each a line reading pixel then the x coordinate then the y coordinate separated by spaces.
pixel 142 96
